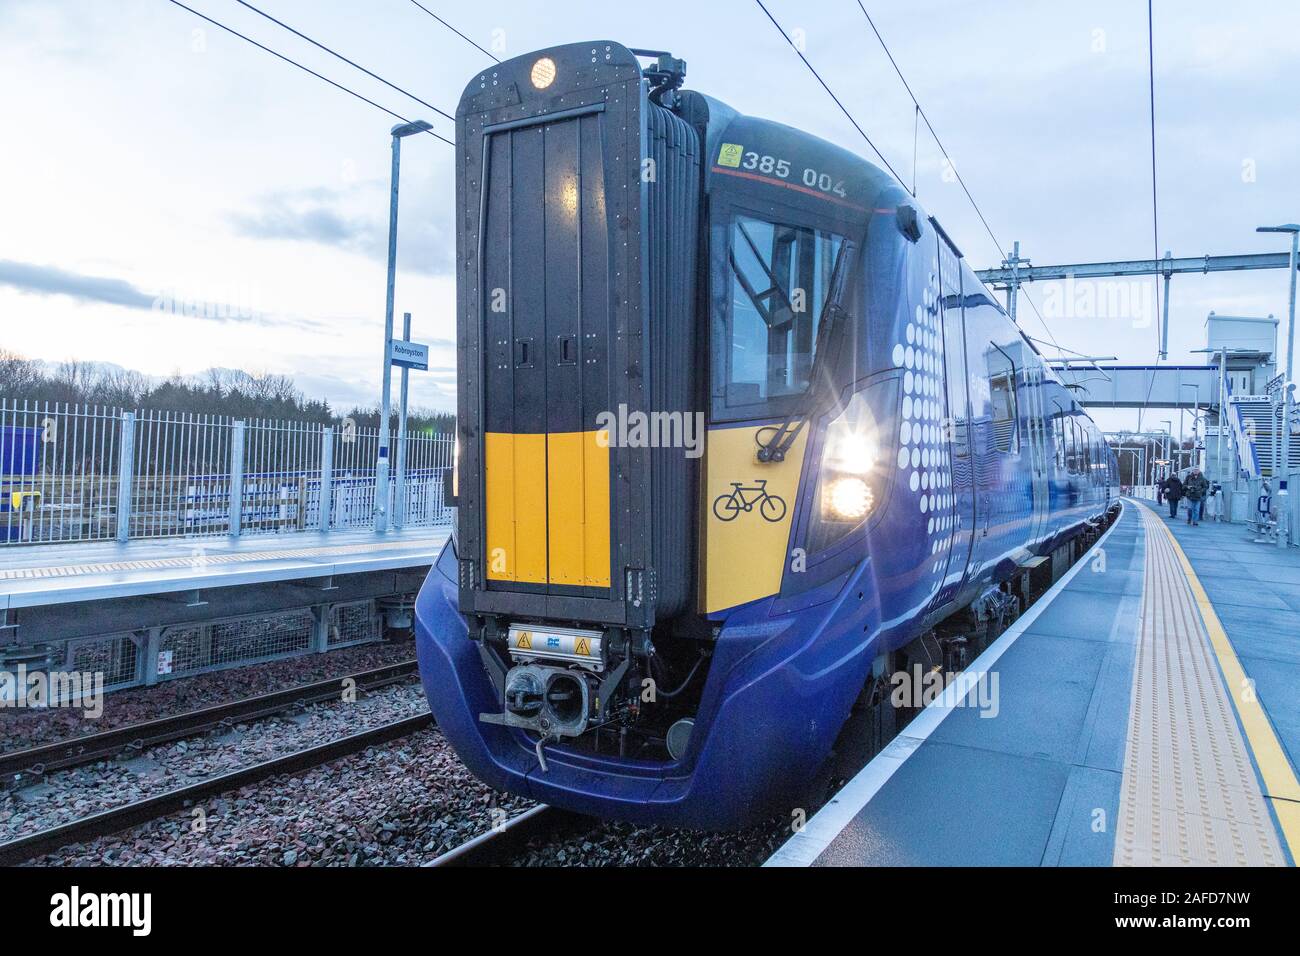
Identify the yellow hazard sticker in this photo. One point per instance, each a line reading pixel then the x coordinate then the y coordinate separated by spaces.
pixel 582 647
pixel 730 154
pixel 524 642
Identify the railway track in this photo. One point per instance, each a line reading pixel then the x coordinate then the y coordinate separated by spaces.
pixel 20 767
pixel 508 841
pixel 141 811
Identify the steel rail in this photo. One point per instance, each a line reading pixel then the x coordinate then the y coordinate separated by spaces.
pixel 132 814
pixel 511 838
pixel 17 765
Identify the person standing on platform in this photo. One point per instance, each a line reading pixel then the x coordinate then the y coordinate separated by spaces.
pixel 1195 489
pixel 1214 502
pixel 1173 489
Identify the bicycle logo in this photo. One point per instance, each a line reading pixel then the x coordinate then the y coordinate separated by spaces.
pixel 747 497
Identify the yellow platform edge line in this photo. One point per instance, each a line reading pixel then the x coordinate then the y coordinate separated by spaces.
pixel 1280 783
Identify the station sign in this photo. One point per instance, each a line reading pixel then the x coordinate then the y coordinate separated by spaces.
pixel 409 355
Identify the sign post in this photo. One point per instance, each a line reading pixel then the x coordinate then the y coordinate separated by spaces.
pixel 405 354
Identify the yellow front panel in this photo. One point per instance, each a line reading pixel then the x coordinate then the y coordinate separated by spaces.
pixel 578 499
pixel 747 529
pixel 515 473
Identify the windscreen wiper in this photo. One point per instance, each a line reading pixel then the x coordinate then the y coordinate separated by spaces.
pixel 762 301
pixel 784 434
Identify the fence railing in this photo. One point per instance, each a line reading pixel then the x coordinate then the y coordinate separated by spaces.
pixel 92 473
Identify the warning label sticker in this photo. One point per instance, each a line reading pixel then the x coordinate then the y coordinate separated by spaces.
pixel 730 155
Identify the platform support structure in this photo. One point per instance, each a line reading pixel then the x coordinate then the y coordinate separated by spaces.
pixel 125 473
pixel 321 622
pixel 326 476
pixel 236 478
pixel 149 651
pixel 399 497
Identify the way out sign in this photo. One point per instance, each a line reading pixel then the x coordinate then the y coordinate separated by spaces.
pixel 410 355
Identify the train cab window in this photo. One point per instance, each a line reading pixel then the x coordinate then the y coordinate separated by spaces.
pixel 781 276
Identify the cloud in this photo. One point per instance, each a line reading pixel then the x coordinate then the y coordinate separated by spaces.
pixel 305 217
pixel 42 280
pixel 323 216
pixel 51 280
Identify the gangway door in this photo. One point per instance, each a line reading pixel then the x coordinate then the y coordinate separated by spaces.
pixel 575 334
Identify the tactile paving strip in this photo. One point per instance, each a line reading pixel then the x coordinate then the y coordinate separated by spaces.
pixel 1189 795
pixel 198 558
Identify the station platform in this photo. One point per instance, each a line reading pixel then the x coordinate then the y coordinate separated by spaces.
pixel 1144 712
pixel 52 574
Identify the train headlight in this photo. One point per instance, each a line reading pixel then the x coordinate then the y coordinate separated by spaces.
pixel 848 465
pixel 847 499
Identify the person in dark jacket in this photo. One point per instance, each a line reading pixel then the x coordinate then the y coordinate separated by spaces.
pixel 1195 489
pixel 1173 492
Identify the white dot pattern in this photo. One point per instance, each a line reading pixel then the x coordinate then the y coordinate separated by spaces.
pixel 922 450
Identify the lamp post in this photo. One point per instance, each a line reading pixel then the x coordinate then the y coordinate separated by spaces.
pixel 385 401
pixel 1196 413
pixel 1284 531
pixel 1169 441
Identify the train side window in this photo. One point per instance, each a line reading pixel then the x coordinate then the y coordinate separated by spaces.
pixel 956 425
pixel 1001 386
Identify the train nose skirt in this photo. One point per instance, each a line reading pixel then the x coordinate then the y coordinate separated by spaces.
pixel 1129 724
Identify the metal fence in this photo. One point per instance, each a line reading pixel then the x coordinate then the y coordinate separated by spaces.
pixel 88 473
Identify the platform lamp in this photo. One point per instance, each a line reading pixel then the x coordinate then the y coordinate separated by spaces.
pixel 385 402
pixel 1288 388
pixel 1169 442
pixel 1196 415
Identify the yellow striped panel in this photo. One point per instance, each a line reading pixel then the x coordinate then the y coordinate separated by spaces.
pixel 577 470
pixel 515 472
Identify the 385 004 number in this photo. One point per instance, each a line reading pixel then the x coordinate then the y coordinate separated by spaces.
pixel 775 166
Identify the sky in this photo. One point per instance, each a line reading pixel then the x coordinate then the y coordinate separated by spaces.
pixel 173 198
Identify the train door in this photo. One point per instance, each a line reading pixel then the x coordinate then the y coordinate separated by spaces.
pixel 1037 428
pixel 956 421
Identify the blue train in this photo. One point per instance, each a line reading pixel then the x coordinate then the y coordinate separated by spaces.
pixel 740 433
